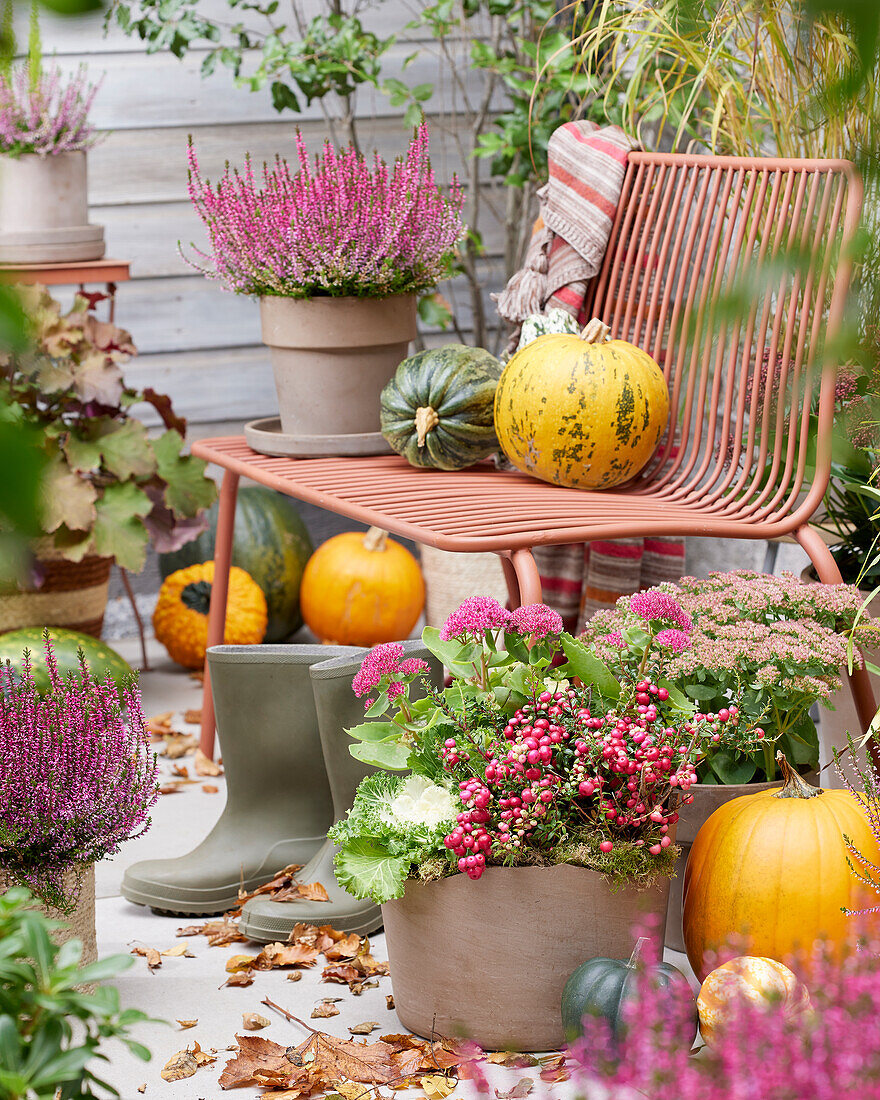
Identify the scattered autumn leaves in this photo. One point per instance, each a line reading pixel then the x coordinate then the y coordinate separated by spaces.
pixel 173 746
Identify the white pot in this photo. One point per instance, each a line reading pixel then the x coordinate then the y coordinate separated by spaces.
pixel 44 213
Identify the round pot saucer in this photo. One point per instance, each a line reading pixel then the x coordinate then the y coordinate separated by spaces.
pixel 266 437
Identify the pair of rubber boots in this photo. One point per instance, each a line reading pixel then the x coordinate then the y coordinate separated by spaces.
pixel 282 712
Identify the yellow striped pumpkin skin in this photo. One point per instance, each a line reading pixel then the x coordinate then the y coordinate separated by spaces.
pixel 579 414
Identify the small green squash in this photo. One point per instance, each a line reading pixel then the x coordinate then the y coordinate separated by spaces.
pixel 438 409
pixel 66 645
pixel 269 542
pixel 601 987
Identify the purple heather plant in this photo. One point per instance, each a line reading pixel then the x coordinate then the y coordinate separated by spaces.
pixel 762 1052
pixel 335 227
pixel 45 115
pixel 77 775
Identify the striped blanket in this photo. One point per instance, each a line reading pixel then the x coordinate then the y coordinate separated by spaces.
pixel 587 164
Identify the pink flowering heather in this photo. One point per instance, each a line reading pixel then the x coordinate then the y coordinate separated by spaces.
pixel 474 617
pixel 536 620
pixel 763 1052
pixel 48 115
pixel 77 775
pixel 338 226
pixel 656 606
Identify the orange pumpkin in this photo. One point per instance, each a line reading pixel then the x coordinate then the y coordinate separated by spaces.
pixel 362 589
pixel 748 979
pixel 772 868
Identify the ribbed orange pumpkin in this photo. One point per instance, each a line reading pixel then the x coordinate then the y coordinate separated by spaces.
pixel 747 978
pixel 771 868
pixel 181 616
pixel 362 589
pixel 582 411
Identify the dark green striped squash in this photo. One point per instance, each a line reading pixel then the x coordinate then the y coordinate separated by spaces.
pixel 270 543
pixel 582 411
pixel 66 645
pixel 437 410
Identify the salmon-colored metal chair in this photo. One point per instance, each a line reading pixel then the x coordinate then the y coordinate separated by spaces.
pixel 747 453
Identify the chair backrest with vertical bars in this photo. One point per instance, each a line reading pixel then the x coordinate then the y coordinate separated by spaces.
pixel 700 271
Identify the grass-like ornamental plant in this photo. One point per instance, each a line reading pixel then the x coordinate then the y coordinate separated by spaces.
pixel 338 226
pixel 51 1031
pixel 77 776
pixel 44 113
pixel 522 763
pixel 772 644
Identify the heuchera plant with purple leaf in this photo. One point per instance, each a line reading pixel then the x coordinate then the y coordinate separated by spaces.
pixel 338 226
pixel 522 760
pixel 77 776
pixel 44 114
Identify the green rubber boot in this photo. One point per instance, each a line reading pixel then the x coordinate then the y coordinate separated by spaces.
pixel 278 804
pixel 338 709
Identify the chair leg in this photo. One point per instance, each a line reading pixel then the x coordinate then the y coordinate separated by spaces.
pixel 510 579
pixel 527 576
pixel 219 593
pixel 859 680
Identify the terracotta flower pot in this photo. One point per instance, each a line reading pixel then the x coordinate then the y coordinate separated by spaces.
pixel 488 959
pixel 81 922
pixel 44 211
pixel 331 358
pixel 73 594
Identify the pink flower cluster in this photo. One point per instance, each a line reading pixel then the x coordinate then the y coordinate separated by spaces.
pixel 657 606
pixel 481 613
pixel 386 667
pixel 763 1051
pixel 335 227
pixel 45 116
pixel 77 775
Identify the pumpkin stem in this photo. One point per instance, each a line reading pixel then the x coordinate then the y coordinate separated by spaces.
pixel 638 951
pixel 426 421
pixel 595 332
pixel 375 538
pixel 197 596
pixel 793 786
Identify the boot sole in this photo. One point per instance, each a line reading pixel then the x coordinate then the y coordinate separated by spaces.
pixel 263 928
pixel 172 906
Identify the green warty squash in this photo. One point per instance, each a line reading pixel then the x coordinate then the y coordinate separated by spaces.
pixel 437 410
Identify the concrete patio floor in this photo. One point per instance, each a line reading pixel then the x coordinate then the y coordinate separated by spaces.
pixel 189 988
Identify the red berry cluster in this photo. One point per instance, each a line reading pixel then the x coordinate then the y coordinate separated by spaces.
pixel 558 765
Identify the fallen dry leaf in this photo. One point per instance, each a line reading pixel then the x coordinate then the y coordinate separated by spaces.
pixel 553 1069
pixel 351 1090
pixel 160 724
pixel 342 973
pixel 241 978
pixel 522 1088
pixel 357 988
pixel 154 960
pixel 185 1063
pixel 389 1001
pixel 323 1010
pixel 511 1060
pixel 254 1055
pixel 209 788
pixel 437 1086
pixel 366 1028
pixel 142 1088
pixel 275 955
pixel 253 1021
pixel 180 770
pixel 239 962
pixel 218 933
pixel 176 745
pixel 346 948
pixel 169 788
pixel 194 717
pixel 180 950
pixel 205 766
pixel 294 976
pixel 184 1024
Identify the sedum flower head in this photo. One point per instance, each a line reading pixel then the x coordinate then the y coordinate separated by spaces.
pixel 658 606
pixel 537 620
pixel 475 616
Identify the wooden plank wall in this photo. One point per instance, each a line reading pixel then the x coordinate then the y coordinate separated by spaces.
pixel 198 342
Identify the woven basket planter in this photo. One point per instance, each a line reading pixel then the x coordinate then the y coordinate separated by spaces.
pixel 73 594
pixel 81 922
pixel 451 578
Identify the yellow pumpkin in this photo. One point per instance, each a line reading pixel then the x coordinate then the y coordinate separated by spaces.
pixel 772 868
pixel 747 978
pixel 582 411
pixel 181 616
pixel 362 589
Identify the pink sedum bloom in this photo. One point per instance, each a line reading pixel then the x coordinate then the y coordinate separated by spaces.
pixel 676 640
pixel 382 660
pixel 537 620
pixel 656 606
pixel 474 617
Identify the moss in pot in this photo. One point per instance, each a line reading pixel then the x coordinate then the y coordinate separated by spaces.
pixel 520 790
